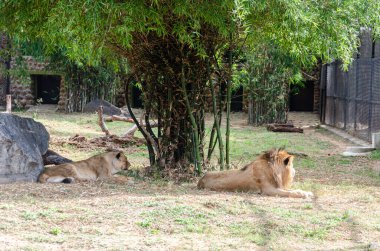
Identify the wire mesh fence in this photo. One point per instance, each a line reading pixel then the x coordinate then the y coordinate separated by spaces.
pixel 352 98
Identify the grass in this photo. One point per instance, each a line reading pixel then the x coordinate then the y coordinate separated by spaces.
pixel 55 231
pixel 160 215
pixel 375 155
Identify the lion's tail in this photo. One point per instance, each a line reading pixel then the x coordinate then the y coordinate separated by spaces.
pixel 44 178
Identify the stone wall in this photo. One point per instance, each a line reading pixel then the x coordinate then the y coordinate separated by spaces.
pixel 317 95
pixel 317 92
pixel 2 87
pixel 62 103
pixel 21 84
pixel 22 89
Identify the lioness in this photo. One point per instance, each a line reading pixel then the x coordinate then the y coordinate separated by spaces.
pixel 271 174
pixel 101 166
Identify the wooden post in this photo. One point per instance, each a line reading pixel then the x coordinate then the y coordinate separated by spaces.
pixel 9 104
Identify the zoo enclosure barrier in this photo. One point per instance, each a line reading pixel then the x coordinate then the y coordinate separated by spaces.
pixel 351 99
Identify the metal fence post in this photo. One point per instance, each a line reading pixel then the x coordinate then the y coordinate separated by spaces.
pixel 370 100
pixel 356 94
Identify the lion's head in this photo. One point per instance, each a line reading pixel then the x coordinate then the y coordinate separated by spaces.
pixel 119 162
pixel 281 164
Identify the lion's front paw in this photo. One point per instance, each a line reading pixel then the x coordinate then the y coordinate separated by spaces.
pixel 304 194
pixel 309 195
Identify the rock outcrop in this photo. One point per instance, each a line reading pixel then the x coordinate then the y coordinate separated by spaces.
pixel 23 141
pixel 108 108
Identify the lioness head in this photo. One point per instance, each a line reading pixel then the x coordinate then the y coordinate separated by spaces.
pixel 119 162
pixel 281 163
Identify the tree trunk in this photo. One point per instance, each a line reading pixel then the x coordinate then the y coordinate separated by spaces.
pixel 173 76
pixel 152 156
pixel 250 110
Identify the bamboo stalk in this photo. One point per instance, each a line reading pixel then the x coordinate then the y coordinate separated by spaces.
pixel 250 109
pixel 152 156
pixel 217 126
pixel 149 128
pixel 193 123
pixel 150 138
pixel 228 115
pixel 211 142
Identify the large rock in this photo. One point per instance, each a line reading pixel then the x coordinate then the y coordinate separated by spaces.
pixel 108 108
pixel 23 141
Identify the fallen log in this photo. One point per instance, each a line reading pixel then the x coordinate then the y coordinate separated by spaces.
pixel 282 125
pixel 283 128
pixel 270 126
pixel 53 158
pixel 131 131
pixel 118 118
pixel 287 129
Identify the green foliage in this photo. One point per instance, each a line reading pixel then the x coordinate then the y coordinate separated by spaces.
pixel 266 72
pixel 311 29
pixel 11 48
pixel 85 82
pixel 92 29
pixel 375 155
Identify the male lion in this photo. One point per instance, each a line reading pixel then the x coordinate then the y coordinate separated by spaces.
pixel 102 166
pixel 271 174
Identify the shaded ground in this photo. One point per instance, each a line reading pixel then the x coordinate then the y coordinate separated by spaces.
pixel 159 215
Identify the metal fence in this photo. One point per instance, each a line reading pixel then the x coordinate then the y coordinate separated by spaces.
pixel 352 98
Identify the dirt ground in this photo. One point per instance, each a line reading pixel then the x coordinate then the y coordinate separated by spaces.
pixel 156 214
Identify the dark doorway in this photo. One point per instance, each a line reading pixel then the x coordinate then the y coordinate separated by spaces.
pixel 237 100
pixel 46 87
pixel 136 97
pixel 302 98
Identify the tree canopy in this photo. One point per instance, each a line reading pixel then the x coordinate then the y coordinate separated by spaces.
pixel 88 29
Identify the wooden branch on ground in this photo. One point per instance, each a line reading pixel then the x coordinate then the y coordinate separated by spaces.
pixel 118 118
pixel 131 131
pixel 282 125
pixel 283 128
pixel 53 158
pixel 101 121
